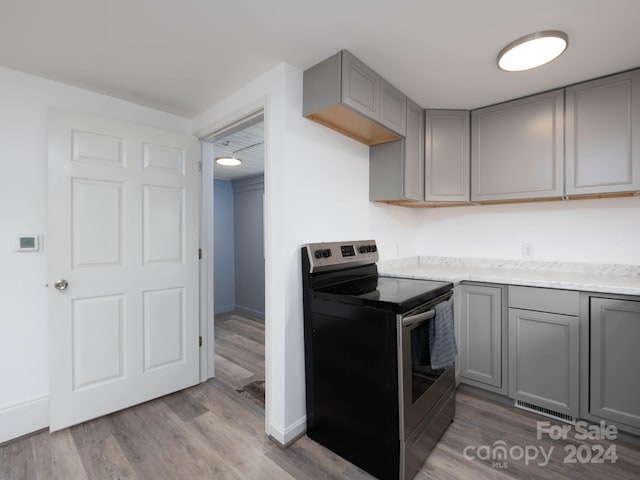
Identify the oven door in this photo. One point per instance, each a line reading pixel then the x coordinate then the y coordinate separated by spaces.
pixel 420 387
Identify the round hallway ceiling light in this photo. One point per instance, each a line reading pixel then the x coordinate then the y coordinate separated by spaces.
pixel 532 51
pixel 228 161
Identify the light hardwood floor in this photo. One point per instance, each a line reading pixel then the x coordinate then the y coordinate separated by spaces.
pixel 239 349
pixel 210 431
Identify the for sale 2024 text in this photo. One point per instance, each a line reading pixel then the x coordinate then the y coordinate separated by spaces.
pixel 500 453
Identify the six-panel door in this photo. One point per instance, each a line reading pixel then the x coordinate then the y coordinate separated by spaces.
pixel 123 232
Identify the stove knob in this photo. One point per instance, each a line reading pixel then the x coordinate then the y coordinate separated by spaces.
pixel 362 249
pixel 327 253
pixel 318 254
pixel 374 248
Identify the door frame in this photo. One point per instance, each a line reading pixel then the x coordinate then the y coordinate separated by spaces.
pixel 207 308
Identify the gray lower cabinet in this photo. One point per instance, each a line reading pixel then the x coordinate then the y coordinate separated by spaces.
pixel 479 319
pixel 396 169
pixel 614 380
pixel 544 361
pixel 517 149
pixel 447 160
pixel 602 140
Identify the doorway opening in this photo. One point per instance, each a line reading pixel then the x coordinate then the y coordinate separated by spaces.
pixel 239 258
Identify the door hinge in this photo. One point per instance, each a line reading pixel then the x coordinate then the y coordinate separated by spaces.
pixel 200 166
pixel 199 254
pixel 200 341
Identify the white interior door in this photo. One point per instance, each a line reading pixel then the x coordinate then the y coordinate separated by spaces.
pixel 123 233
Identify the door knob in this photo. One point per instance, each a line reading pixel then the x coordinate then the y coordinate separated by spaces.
pixel 61 284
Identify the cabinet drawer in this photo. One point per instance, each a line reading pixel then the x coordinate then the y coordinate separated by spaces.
pixel 566 302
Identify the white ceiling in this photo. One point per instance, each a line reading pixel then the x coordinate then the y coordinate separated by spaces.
pixel 246 145
pixel 184 56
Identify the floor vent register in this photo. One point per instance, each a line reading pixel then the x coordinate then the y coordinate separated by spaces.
pixel 530 407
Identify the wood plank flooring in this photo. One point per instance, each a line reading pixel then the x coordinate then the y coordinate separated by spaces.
pixel 239 349
pixel 210 431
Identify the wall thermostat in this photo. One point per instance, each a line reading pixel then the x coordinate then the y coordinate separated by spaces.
pixel 27 243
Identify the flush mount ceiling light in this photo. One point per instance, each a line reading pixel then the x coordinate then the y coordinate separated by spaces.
pixel 228 161
pixel 533 50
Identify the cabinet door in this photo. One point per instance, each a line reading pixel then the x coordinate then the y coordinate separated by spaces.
pixel 544 359
pixel 447 163
pixel 517 149
pixel 481 334
pixel 360 86
pixel 393 108
pixel 414 153
pixel 602 135
pixel 615 358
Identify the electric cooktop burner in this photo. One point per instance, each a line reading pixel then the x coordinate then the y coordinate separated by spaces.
pixel 398 294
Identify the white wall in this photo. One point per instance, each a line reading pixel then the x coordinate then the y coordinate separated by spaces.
pixel 600 230
pixel 316 187
pixel 24 327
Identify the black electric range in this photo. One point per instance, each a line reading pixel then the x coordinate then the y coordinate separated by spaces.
pixel 371 396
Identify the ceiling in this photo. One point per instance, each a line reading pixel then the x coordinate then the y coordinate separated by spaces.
pixel 184 56
pixel 246 145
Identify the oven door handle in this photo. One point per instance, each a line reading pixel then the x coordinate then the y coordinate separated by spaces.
pixel 419 318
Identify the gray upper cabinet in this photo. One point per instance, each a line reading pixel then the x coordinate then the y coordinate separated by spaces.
pixel 615 357
pixel 579 140
pixel 602 135
pixel 396 169
pixel 393 108
pixel 344 94
pixel 360 86
pixel 447 161
pixel 517 149
pixel 480 338
pixel 414 156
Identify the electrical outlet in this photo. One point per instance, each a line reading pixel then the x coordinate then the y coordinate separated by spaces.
pixel 527 250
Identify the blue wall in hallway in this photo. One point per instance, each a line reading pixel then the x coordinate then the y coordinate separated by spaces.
pixel 224 250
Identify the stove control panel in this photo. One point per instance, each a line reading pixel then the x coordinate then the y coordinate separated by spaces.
pixel 337 255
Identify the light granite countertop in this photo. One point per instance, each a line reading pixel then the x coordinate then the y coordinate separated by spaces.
pixel 589 277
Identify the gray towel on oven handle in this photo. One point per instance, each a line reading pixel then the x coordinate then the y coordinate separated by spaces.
pixel 442 341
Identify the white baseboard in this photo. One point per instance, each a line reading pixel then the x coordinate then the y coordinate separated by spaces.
pixel 24 418
pixel 224 309
pixel 249 311
pixel 285 437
